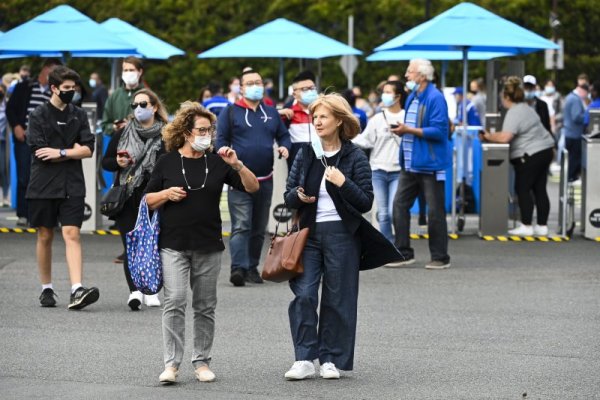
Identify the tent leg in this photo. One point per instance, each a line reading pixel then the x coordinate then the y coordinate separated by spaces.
pixel 443 74
pixel 281 79
pixel 114 80
pixel 319 72
pixel 464 85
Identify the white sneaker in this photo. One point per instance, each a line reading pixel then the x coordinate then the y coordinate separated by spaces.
pixel 521 230
pixel 301 370
pixel 168 376
pixel 329 371
pixel 540 230
pixel 151 300
pixel 135 300
pixel 400 264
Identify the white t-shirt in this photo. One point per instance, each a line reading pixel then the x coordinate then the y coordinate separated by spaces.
pixel 384 144
pixel 326 210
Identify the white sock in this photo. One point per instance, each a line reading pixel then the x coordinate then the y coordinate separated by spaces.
pixel 75 287
pixel 47 286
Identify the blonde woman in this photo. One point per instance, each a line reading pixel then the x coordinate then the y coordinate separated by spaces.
pixel 330 186
pixel 186 186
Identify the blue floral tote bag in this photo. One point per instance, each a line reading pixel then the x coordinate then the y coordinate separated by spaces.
pixel 143 254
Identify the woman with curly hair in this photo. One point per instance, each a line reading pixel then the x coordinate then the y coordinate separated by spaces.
pixel 186 186
pixel 132 154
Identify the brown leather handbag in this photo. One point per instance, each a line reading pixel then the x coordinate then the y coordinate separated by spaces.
pixel 284 258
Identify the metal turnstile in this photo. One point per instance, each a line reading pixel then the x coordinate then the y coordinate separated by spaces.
pixel 493 214
pixel 590 188
pixel 92 219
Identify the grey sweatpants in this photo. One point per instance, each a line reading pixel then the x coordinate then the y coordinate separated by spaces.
pixel 201 270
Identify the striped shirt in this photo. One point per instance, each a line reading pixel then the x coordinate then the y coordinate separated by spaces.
pixel 39 96
pixel 410 120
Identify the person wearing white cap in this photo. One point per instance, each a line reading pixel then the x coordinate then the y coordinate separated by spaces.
pixel 540 106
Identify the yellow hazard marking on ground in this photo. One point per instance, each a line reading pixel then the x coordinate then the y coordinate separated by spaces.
pixel 502 238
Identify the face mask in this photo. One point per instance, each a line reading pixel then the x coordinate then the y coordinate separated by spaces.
pixel 538 93
pixel 529 95
pixel 143 114
pixel 308 97
pixel 201 143
pixel 76 97
pixel 130 78
pixel 411 85
pixel 550 90
pixel 92 83
pixel 388 99
pixel 66 96
pixel 372 99
pixel 317 147
pixel 235 89
pixel 254 93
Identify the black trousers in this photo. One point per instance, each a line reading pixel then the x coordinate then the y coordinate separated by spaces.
pixel 531 176
pixel 125 223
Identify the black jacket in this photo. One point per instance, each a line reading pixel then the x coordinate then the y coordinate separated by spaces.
pixel 57 180
pixel 16 108
pixel 541 108
pixel 351 200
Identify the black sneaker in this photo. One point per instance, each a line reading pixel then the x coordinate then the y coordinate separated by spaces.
pixel 238 277
pixel 47 298
pixel 83 297
pixel 253 276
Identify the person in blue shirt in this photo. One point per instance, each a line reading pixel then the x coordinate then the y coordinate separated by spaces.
pixel 350 97
pixel 250 127
pixel 217 102
pixel 424 156
pixel 473 118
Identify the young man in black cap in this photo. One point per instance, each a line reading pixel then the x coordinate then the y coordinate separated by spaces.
pixel 59 137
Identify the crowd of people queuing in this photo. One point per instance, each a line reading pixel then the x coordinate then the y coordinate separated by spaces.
pixel 343 152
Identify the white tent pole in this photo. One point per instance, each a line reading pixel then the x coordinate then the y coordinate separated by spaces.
pixel 464 85
pixel 281 79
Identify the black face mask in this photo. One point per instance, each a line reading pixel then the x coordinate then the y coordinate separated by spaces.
pixel 66 96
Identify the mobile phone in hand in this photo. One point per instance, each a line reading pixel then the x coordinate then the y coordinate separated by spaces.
pixel 394 126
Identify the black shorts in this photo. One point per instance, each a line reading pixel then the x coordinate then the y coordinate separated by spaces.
pixel 48 213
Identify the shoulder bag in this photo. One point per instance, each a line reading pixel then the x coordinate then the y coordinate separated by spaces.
pixel 284 258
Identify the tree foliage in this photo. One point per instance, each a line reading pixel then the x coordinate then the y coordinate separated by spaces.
pixel 198 25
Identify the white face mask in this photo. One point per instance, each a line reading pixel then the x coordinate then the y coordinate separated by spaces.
pixel 317 146
pixel 201 143
pixel 130 78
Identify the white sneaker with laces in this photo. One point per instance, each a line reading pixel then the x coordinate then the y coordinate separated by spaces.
pixel 151 300
pixel 135 300
pixel 301 370
pixel 540 230
pixel 521 230
pixel 329 371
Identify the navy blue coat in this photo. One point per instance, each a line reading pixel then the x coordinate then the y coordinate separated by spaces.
pixel 351 200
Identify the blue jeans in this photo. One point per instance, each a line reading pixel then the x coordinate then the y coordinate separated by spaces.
pixel 385 185
pixel 409 186
pixel 4 177
pixel 249 217
pixel 23 161
pixel 333 253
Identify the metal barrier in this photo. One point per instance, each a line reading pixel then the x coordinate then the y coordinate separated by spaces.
pixel 566 201
pixel 493 215
pixel 590 185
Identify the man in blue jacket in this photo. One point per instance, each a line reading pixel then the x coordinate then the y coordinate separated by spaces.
pixel 250 127
pixel 424 156
pixel 574 128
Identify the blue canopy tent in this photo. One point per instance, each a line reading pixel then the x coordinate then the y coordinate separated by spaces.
pixel 281 39
pixel 61 30
pixel 444 56
pixel 469 29
pixel 147 46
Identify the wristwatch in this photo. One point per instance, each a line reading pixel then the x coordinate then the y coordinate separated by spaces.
pixel 241 165
pixel 63 153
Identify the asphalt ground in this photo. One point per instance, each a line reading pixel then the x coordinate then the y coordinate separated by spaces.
pixel 508 320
